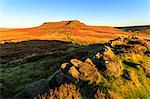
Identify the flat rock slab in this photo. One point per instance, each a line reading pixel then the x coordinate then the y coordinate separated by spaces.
pixel 37 87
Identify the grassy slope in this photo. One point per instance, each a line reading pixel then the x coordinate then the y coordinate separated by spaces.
pixel 19 67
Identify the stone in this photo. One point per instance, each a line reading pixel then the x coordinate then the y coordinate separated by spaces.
pixel 63 65
pixel 59 77
pixel 89 61
pixel 73 71
pixel 75 62
pixel 113 68
pixel 113 64
pixel 52 76
pixel 108 54
pixel 22 95
pixel 98 55
pixel 38 87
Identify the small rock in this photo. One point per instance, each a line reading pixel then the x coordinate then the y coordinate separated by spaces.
pixel 75 62
pixel 88 60
pixel 64 65
pixel 98 55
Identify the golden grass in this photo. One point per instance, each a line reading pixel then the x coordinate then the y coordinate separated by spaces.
pixel 80 33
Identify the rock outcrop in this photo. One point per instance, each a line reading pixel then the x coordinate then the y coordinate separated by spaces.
pixel 120 70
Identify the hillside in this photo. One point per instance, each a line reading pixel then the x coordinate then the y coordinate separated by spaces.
pixel 137 29
pixel 24 62
pixel 70 31
pixel 70 59
pixel 121 69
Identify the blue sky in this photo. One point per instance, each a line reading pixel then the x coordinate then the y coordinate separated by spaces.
pixel 28 13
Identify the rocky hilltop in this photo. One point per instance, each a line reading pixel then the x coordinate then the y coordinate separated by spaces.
pixel 120 70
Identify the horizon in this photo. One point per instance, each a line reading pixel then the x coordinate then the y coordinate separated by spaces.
pixel 115 13
pixel 72 20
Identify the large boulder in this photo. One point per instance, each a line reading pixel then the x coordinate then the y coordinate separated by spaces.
pixel 38 87
pixel 113 64
pixel 85 71
pixel 22 95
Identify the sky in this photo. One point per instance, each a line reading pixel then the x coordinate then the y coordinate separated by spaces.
pixel 30 13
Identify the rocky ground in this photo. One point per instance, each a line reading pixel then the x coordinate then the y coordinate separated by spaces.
pixel 120 70
pixel 24 62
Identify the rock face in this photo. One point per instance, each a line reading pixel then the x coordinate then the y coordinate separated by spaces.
pixel 120 70
pixel 86 71
pixel 113 64
pixel 38 87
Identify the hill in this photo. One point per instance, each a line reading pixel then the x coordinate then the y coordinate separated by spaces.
pixel 70 31
pixel 137 29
